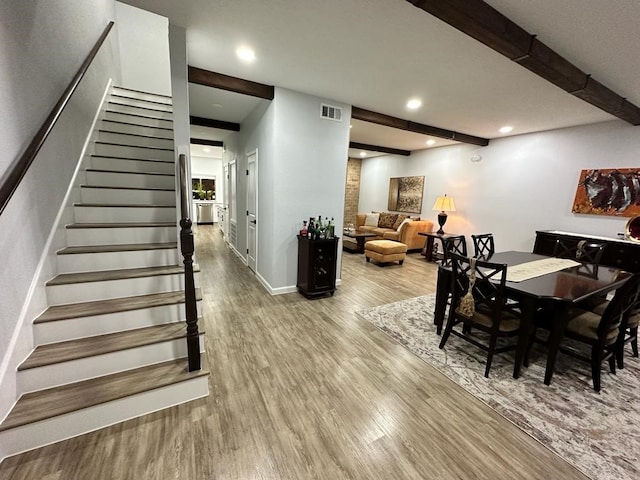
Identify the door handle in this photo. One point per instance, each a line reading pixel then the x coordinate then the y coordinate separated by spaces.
pixel 254 221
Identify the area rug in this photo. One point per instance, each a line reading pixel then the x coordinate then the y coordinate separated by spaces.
pixel 599 433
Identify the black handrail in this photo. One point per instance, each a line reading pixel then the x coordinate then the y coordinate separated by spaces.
pixel 11 180
pixel 187 248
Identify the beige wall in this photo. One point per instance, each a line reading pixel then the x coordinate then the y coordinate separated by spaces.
pixel 352 190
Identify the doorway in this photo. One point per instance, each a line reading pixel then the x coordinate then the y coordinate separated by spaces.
pixel 252 224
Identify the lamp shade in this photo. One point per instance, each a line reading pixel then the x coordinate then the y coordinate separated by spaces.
pixel 444 204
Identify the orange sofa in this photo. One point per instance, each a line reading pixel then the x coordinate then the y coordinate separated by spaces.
pixel 406 233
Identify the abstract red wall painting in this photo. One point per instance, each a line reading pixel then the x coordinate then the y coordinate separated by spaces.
pixel 608 191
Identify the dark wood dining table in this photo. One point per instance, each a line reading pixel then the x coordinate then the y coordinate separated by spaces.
pixel 555 292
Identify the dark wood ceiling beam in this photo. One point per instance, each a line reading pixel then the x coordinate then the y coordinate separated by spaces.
pixel 389 121
pixel 205 141
pixel 378 148
pixel 211 123
pixel 232 84
pixel 481 21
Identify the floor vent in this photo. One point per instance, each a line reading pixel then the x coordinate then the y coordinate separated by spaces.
pixel 330 112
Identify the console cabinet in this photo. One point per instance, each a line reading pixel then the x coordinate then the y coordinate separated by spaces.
pixel 317 266
pixel 623 254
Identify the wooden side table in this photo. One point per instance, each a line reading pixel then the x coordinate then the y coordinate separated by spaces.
pixel 427 251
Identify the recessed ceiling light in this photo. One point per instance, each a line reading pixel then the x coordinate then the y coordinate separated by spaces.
pixel 506 129
pixel 363 154
pixel 246 54
pixel 414 103
pixel 206 149
pixel 431 141
pixel 350 126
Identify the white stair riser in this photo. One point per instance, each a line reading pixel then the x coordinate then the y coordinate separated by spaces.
pixel 137 102
pixel 97 365
pixel 152 97
pixel 138 119
pixel 120 236
pixel 111 126
pixel 129 165
pixel 154 113
pixel 127 196
pixel 62 427
pixel 128 179
pixel 125 151
pixel 72 328
pixel 124 214
pixel 85 292
pixel 125 139
pixel 87 262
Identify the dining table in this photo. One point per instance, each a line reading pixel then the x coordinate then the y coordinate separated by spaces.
pixel 556 292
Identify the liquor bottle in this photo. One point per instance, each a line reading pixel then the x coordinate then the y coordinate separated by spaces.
pixel 332 228
pixel 311 228
pixel 304 232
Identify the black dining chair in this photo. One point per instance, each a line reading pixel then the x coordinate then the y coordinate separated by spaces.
pixel 483 246
pixel 628 329
pixel 454 245
pixel 584 251
pixel 489 315
pixel 602 332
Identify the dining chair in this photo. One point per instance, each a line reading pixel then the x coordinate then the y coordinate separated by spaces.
pixel 483 246
pixel 628 329
pixel 584 252
pixel 454 245
pixel 486 283
pixel 602 332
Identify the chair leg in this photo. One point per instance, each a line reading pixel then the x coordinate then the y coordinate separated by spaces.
pixel 492 348
pixel 447 332
pixel 532 338
pixel 619 350
pixel 634 342
pixel 595 368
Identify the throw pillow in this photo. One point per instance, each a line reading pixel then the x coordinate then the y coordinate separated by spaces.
pixel 401 218
pixel 371 220
pixel 406 220
pixel 387 220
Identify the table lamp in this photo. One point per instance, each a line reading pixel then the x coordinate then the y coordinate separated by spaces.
pixel 444 204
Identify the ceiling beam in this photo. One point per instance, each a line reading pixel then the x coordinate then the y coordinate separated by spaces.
pixel 205 141
pixel 377 148
pixel 211 123
pixel 394 122
pixel 481 21
pixel 232 84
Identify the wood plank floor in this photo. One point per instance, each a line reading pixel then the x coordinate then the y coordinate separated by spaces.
pixel 304 389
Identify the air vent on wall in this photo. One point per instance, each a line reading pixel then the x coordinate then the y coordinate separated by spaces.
pixel 330 112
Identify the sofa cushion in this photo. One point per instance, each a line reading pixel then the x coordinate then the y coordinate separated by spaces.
pixel 372 219
pixel 406 220
pixel 399 219
pixel 391 235
pixel 387 220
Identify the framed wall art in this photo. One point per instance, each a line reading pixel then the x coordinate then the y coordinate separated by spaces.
pixel 405 194
pixel 608 191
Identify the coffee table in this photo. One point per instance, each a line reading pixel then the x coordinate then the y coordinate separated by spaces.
pixel 360 238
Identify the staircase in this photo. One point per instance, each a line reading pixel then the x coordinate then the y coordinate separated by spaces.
pixel 112 344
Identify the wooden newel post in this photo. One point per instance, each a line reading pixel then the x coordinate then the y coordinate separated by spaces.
pixel 187 249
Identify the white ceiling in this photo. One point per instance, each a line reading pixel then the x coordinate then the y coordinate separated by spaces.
pixel 376 54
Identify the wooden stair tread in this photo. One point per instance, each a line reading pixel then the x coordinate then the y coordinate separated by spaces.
pixel 49 403
pixel 120 274
pixel 120 225
pixel 105 120
pixel 119 96
pixel 133 158
pixel 117 248
pixel 111 305
pixel 110 187
pixel 131 114
pixel 139 135
pixel 86 347
pixel 129 89
pixel 122 205
pixel 101 142
pixel 100 170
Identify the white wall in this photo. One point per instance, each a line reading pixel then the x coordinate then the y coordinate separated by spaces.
pixel 144 50
pixel 302 162
pixel 42 45
pixel 522 184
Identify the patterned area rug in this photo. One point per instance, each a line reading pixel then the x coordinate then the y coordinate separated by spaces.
pixel 598 433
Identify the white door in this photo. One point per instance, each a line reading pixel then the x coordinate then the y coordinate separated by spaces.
pixel 252 225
